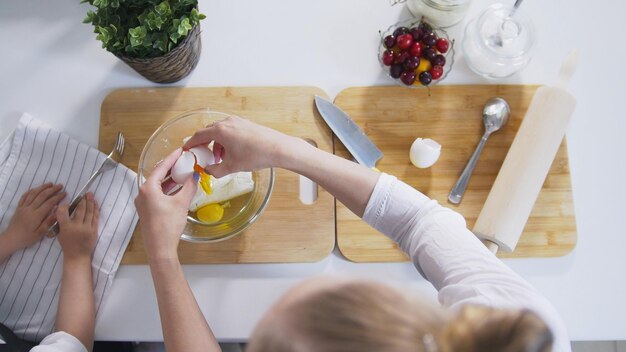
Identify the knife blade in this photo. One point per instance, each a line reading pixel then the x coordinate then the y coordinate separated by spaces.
pixel 349 133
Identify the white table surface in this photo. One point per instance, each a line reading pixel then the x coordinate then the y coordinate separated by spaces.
pixel 52 66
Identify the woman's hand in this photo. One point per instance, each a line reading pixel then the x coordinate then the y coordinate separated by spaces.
pixel 162 218
pixel 78 233
pixel 33 216
pixel 245 146
pixel 242 145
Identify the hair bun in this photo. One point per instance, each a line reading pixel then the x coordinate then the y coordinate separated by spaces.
pixel 485 329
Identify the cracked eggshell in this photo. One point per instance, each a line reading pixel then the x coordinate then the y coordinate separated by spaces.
pixel 204 155
pixel 424 152
pixel 183 168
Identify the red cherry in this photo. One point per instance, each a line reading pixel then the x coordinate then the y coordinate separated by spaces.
pixel 405 41
pixel 436 72
pixel 401 57
pixel 408 77
pixel 400 31
pixel 389 41
pixel 429 39
pixel 442 45
pixel 425 78
pixel 416 33
pixel 429 54
pixel 411 63
pixel 388 57
pixel 396 70
pixel 416 49
pixel 439 60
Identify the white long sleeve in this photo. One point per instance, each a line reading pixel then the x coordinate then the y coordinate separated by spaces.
pixel 59 342
pixel 448 255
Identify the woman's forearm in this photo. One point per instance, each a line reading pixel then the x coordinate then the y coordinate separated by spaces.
pixel 184 327
pixel 76 313
pixel 352 184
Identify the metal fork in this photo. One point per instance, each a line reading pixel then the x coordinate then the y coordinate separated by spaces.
pixel 109 163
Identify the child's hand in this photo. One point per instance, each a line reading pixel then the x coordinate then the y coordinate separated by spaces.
pixel 78 234
pixel 34 216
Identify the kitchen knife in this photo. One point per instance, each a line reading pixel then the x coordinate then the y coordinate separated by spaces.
pixel 349 133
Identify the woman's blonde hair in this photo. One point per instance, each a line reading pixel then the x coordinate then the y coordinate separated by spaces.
pixel 368 316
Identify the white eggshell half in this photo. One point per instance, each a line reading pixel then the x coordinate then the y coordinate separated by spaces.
pixel 424 152
pixel 183 168
pixel 204 155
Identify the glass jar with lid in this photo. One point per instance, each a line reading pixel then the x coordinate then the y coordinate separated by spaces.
pixel 439 13
pixel 499 42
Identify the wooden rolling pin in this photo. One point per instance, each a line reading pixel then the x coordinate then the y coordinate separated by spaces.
pixel 512 197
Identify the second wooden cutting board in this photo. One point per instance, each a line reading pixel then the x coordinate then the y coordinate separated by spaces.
pixel 394 116
pixel 288 231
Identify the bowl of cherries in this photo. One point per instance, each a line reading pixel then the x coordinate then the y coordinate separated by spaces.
pixel 415 54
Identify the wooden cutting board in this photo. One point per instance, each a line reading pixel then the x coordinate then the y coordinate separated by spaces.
pixel 394 116
pixel 288 231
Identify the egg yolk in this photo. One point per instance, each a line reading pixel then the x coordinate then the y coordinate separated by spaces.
pixel 205 179
pixel 210 213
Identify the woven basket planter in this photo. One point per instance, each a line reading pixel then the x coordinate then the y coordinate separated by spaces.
pixel 173 66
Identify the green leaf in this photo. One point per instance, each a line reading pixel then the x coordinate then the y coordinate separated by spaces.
pixel 90 16
pixel 137 35
pixel 117 46
pixel 134 42
pixel 184 27
pixel 164 9
pixel 103 35
pixel 185 22
pixel 161 44
pixel 158 22
pixel 116 20
pixel 142 28
pixel 174 37
pixel 196 16
pixel 101 4
pixel 137 32
pixel 142 17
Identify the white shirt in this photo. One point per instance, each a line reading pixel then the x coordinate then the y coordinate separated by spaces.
pixel 448 255
pixel 443 250
pixel 59 342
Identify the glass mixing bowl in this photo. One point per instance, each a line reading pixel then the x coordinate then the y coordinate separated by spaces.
pixel 169 137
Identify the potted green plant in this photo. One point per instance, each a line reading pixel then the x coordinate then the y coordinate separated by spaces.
pixel 160 39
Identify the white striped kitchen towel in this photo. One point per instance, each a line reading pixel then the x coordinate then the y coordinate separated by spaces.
pixel 30 279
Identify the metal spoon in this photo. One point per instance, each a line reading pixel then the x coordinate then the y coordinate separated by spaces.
pixel 507 25
pixel 495 114
pixel 515 7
